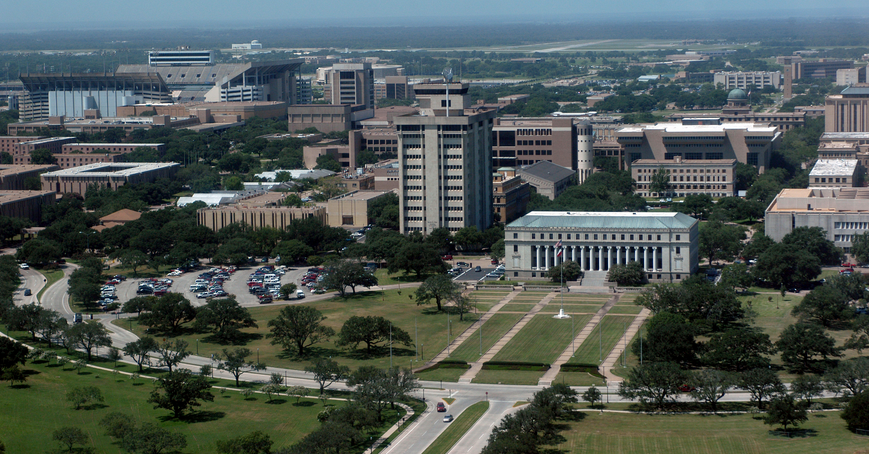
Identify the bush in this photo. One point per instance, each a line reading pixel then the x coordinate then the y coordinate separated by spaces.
pixel 856 414
pixel 515 365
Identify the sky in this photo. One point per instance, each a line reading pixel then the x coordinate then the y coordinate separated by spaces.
pixel 70 14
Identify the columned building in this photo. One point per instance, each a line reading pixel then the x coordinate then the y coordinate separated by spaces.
pixel 666 244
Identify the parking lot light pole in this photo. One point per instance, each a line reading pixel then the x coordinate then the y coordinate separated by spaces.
pixel 197 347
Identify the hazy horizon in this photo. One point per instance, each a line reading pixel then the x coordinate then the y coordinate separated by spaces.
pixel 103 14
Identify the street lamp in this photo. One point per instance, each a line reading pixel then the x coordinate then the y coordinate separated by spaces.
pixel 257 355
pixel 197 347
pixel 88 237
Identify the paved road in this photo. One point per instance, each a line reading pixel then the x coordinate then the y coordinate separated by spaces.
pixel 475 439
pixel 427 428
pixel 30 279
pixel 55 297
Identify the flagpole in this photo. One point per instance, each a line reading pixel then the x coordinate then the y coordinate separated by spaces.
pixel 559 252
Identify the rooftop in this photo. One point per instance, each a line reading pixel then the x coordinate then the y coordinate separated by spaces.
pixel 11 196
pixel 113 169
pixel 9 169
pixel 360 195
pixel 603 220
pixel 834 167
pixel 844 135
pixel 707 129
pixel 121 216
pixel 685 162
pixel 547 171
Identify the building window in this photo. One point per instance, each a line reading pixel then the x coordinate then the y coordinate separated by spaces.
pixel 678 276
pixel 659 237
pixel 678 250
pixel 559 236
pixel 595 236
pixel 515 274
pixel 678 237
pixel 641 237
pixel 550 236
pixel 533 274
pixel 515 248
pixel 623 237
pixel 533 235
pixel 515 235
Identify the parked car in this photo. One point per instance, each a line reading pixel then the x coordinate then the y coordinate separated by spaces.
pixel 300 294
pixel 494 262
pixel 77 318
pixel 462 264
pixel 203 295
pixel 447 257
pixel 441 407
pixel 24 266
pixel 478 268
pixel 265 299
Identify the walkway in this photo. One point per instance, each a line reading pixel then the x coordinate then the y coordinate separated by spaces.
pixel 553 371
pixel 469 331
pixel 476 367
pixel 610 361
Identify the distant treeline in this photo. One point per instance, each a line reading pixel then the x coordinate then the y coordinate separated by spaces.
pixel 769 31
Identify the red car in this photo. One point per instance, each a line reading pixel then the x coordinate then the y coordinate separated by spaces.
pixel 494 262
pixel 442 407
pixel 849 265
pixel 447 257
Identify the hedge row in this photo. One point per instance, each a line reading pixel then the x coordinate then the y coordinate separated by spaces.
pixel 591 369
pixel 515 365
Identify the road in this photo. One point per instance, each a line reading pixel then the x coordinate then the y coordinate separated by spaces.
pixel 30 279
pixel 475 439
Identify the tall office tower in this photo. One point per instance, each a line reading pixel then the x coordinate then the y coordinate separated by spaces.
pixel 351 83
pixel 584 151
pixel 445 156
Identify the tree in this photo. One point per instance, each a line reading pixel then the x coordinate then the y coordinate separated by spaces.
pixel 720 241
pixel 89 336
pixel 179 391
pixel 417 259
pixel 696 299
pixel 669 338
pixel 70 436
pixel 298 391
pixel 84 285
pixel 292 251
pixel 233 184
pixel 370 330
pixel 139 349
pixel 299 327
pixel 139 304
pixel 42 156
pixel 807 386
pixel 168 313
pixel 592 395
pixel 660 182
pixel 330 438
pixel 735 276
pixel 468 238
pixel 84 395
pixel 439 288
pixel 133 258
pixel 783 264
pixel 860 337
pixel 235 361
pixel 814 241
pixel 856 414
pixel 710 386
pixel 256 442
pixel 12 353
pixel 785 411
pixel 761 383
pixel 653 384
pixel 738 349
pixel 849 377
pixel 627 275
pixel 288 290
pixel 572 271
pixel 225 317
pixel 376 387
pixel 800 343
pixel 172 352
pixel 51 324
pixel 326 372
pixel 13 374
pixel 118 425
pixel 150 438
pixel 860 247
pixel 759 244
pixel 695 205
pixel 328 162
pixel 825 304
pixel 348 273
pixel 26 318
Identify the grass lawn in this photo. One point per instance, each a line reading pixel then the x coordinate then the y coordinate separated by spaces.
pixel 602 339
pixel 401 310
pixel 516 307
pixel 51 276
pixel 542 339
pixel 508 377
pixel 628 310
pixel 33 411
pixel 385 278
pixel 457 428
pixel 578 379
pixel 621 432
pixel 493 329
pixel 441 374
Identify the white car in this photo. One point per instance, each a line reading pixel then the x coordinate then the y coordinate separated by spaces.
pixel 24 266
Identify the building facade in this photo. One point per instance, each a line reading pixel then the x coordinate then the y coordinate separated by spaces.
pixel 713 177
pixel 350 83
pixel 834 173
pixel 548 179
pixel 820 69
pixel 25 204
pixel 15 177
pixel 257 217
pixel 666 244
pixel 747 79
pixel 445 153
pixel 848 111
pixel 351 209
pixel 524 141
pixel 841 213
pixel 511 195
pixel 77 180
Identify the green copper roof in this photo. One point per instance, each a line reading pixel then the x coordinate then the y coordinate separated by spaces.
pixel 603 220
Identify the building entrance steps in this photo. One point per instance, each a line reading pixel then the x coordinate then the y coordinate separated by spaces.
pixel 477 366
pixel 471 329
pixel 610 362
pixel 594 279
pixel 555 368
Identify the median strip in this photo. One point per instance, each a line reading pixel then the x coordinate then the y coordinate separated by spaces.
pixel 457 429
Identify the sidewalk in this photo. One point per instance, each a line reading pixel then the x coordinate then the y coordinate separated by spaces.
pixel 476 367
pixel 553 371
pixel 610 361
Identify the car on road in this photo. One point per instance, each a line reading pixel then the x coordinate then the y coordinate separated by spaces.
pixel 448 418
pixel 27 292
pixel 462 264
pixel 24 266
pixel 441 407
pixel 318 290
pixel 77 318
pixel 478 268
pixel 300 294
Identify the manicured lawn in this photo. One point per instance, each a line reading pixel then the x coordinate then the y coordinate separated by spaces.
pixel 625 310
pixel 441 374
pixel 493 329
pixel 602 339
pixel 578 379
pixel 555 306
pixel 457 428
pixel 542 339
pixel 385 278
pixel 666 434
pixel 33 411
pixel 516 307
pixel 508 377
pixel 51 276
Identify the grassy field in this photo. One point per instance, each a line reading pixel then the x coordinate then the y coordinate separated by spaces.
pixel 450 375
pixel 517 307
pixel 578 379
pixel 401 310
pixel 493 329
pixel 666 434
pixel 542 339
pixel 627 310
pixel 508 377
pixel 602 339
pixel 457 429
pixel 33 411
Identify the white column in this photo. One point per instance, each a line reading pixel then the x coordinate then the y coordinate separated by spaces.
pixel 573 253
pixel 609 257
pixel 636 254
pixel 600 258
pixel 619 255
pixel 655 258
pixel 546 264
pixel 645 258
pixel 538 258
pixel 582 258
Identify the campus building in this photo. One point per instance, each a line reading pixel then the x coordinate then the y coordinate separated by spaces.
pixel 180 57
pixel 350 83
pixel 820 69
pixel 511 194
pixel 848 111
pixel 666 244
pixel 525 141
pixel 713 177
pixel 548 179
pixel 25 204
pixel 445 154
pixel 738 110
pixel 351 209
pixel 77 180
pixel 834 173
pixel 257 211
pixel 15 177
pixel 841 213
pixel 746 80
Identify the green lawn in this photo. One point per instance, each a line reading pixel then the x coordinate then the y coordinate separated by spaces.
pixel 542 339
pixel 737 434
pixel 495 328
pixel 31 412
pixel 385 278
pixel 628 310
pixel 578 379
pixel 401 310
pixel 516 307
pixel 508 377
pixel 445 374
pixel 51 276
pixel 602 339
pixel 457 428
